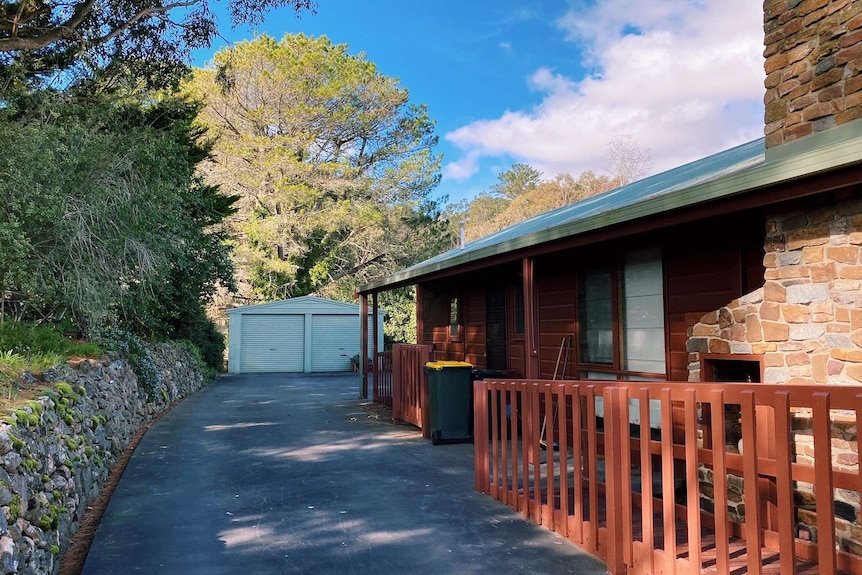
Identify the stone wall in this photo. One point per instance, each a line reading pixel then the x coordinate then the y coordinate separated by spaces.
pixel 806 324
pixel 56 451
pixel 814 66
pixel 806 321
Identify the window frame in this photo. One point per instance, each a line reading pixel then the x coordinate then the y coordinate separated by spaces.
pixel 455 328
pixel 615 369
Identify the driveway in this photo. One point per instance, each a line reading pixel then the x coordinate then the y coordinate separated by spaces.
pixel 291 473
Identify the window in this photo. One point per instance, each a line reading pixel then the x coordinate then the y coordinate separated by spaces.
pixel 454 318
pixel 643 313
pixel 621 318
pixel 595 307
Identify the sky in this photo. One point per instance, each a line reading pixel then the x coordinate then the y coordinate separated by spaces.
pixel 551 83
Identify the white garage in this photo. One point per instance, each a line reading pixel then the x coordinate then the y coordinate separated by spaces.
pixel 305 334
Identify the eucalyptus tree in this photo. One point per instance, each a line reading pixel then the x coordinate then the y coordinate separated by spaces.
pixel 334 166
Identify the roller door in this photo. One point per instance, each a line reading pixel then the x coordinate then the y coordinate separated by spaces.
pixel 272 343
pixel 333 337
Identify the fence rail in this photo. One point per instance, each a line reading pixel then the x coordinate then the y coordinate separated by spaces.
pixel 399 382
pixel 680 477
pixel 382 374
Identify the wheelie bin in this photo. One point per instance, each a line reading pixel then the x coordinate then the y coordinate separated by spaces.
pixel 450 400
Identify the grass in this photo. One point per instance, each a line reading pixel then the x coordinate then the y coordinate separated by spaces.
pixel 33 348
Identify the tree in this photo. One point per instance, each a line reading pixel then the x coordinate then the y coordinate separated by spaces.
pixel 333 166
pixel 627 162
pixel 151 36
pixel 105 220
pixel 518 179
pixel 521 194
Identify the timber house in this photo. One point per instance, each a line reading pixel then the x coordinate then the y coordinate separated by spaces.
pixel 677 362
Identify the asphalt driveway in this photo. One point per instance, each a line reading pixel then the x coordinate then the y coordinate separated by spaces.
pixel 284 473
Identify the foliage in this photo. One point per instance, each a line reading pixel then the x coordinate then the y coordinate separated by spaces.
pixel 142 38
pixel 333 165
pixel 520 193
pixel 105 220
pixel 31 340
pixel 205 342
pixel 515 181
pixel 400 321
pixel 133 349
pixel 31 347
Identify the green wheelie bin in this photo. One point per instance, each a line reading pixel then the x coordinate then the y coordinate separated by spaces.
pixel 450 399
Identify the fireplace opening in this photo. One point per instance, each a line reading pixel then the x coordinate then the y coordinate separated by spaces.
pixel 731 368
pixel 728 369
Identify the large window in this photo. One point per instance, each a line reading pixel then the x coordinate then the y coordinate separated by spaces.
pixel 621 318
pixel 642 313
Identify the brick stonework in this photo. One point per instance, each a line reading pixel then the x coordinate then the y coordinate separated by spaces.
pixel 802 316
pixel 807 323
pixel 813 52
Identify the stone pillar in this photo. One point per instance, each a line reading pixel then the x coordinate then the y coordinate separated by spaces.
pixel 813 51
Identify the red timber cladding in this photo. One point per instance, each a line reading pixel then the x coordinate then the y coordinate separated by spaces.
pixel 516 348
pixel 435 311
pixel 474 334
pixel 555 294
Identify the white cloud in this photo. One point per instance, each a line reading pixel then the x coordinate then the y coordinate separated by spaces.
pixel 684 78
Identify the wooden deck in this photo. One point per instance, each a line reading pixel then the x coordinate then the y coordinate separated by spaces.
pixel 605 456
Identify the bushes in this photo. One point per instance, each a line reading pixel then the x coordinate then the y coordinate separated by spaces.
pixel 105 222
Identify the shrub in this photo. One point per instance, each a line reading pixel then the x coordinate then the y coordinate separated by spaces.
pixel 136 353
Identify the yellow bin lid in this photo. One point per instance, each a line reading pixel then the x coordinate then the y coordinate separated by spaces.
pixel 446 364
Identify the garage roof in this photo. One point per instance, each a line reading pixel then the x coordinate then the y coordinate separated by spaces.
pixel 303 304
pixel 740 170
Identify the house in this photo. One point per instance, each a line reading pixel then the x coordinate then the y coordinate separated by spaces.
pixel 306 334
pixel 745 266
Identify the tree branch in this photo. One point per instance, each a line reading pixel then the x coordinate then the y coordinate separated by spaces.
pixel 67 30
pixel 145 13
pixel 62 32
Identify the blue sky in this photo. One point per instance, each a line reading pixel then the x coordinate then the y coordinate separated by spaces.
pixel 550 83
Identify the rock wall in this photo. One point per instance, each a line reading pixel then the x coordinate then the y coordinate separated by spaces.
pixel 56 451
pixel 806 321
pixel 805 324
pixel 813 51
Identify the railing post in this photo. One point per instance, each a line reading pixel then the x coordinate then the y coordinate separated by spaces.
pixel 422 389
pixel 397 382
pixel 692 469
pixel 480 436
pixel 719 466
pixel 363 346
pixel 784 484
pixel 824 479
pixel 751 485
pixel 615 417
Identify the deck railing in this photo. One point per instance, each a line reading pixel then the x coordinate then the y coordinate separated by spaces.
pixel 679 477
pixel 409 390
pixel 382 392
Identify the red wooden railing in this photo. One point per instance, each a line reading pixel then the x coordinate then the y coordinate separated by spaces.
pixel 620 489
pixel 383 378
pixel 409 389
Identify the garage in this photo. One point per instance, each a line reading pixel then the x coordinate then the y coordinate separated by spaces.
pixel 307 334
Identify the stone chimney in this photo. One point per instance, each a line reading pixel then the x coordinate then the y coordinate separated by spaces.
pixel 813 67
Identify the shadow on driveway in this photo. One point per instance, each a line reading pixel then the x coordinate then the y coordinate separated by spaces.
pixel 290 473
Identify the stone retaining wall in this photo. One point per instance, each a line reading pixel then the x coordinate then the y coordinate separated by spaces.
pixel 56 451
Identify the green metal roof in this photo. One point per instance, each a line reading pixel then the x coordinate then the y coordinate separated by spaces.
pixel 739 170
